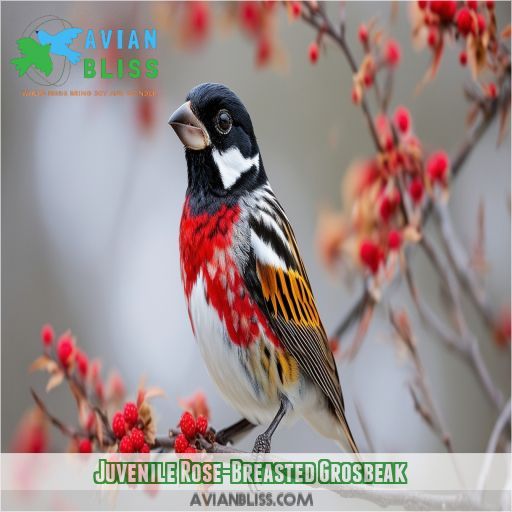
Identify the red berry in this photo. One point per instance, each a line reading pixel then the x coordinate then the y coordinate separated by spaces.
pixel 368 80
pixel 313 52
pixel 65 349
pixel 422 4
pixel 437 166
pixel 296 9
pixel 356 95
pixel 137 437
pixel 85 446
pixel 145 448
pixel 402 119
pixel 47 335
pixel 82 363
pixel 131 413
pixel 432 37
pixel 492 90
pixel 490 4
pixel 363 33
pixel 392 52
pixel 370 255
pixel 416 190
pixel 251 16
pixel 386 208
pixel 394 240
pixel 126 445
pixel 202 424
pixel 463 58
pixel 263 54
pixel 180 443
pixel 190 449
pixel 481 23
pixel 445 9
pixel 118 425
pixel 472 4
pixel 464 21
pixel 188 425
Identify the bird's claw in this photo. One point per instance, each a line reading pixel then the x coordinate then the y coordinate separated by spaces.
pixel 262 444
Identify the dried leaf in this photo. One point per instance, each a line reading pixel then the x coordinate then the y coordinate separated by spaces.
pixel 411 234
pixel 472 115
pixel 504 115
pixel 99 429
pixel 55 380
pixel 146 415
pixel 362 329
pixel 434 66
pixel 43 362
pixel 154 392
pixel 506 33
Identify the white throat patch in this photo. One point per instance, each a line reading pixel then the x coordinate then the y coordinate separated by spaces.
pixel 232 164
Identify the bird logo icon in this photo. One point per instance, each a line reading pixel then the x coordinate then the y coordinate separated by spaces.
pixel 37 48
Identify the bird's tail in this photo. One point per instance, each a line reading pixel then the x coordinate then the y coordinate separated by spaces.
pixel 22 64
pixel 348 434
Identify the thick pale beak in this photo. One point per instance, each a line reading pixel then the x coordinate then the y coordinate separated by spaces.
pixel 188 128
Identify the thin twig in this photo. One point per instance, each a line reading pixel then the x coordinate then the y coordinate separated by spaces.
pixel 460 264
pixel 471 346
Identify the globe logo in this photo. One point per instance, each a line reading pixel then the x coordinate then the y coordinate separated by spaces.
pixel 45 53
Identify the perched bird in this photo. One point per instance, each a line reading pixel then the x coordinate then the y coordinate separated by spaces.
pixel 33 54
pixel 59 42
pixel 249 298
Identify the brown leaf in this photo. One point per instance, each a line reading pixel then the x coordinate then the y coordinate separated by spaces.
pixel 55 380
pixel 504 115
pixel 506 32
pixel 43 362
pixel 154 392
pixel 146 415
pixel 99 429
pixel 411 234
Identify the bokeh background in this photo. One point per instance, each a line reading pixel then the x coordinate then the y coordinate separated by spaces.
pixel 92 191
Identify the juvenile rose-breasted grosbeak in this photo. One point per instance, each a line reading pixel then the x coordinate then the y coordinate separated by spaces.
pixel 249 299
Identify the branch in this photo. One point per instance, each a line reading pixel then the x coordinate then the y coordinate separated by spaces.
pixel 459 262
pixel 470 347
pixel 318 19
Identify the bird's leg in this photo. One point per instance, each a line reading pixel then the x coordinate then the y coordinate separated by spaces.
pixel 228 434
pixel 262 444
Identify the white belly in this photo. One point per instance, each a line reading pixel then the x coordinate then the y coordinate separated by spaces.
pixel 224 360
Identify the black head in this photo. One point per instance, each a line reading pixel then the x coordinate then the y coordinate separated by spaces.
pixel 221 148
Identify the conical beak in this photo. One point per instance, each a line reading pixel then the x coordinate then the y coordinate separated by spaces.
pixel 188 128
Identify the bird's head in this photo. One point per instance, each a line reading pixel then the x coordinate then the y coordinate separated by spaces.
pixel 220 145
pixel 44 37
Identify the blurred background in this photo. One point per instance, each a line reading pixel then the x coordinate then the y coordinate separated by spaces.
pixel 92 191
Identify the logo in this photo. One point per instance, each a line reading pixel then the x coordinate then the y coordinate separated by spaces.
pixel 48 50
pixel 45 51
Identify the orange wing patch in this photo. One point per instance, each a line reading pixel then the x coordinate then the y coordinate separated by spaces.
pixel 289 294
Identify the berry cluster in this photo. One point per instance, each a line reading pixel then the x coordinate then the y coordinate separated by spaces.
pixel 380 54
pixel 472 23
pixel 384 195
pixel 190 427
pixel 129 430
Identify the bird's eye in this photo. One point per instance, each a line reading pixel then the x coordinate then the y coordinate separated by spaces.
pixel 223 122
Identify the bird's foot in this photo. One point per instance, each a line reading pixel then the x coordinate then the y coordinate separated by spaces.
pixel 262 444
pixel 223 437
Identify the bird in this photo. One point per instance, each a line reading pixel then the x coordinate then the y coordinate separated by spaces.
pixel 248 296
pixel 59 42
pixel 33 54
